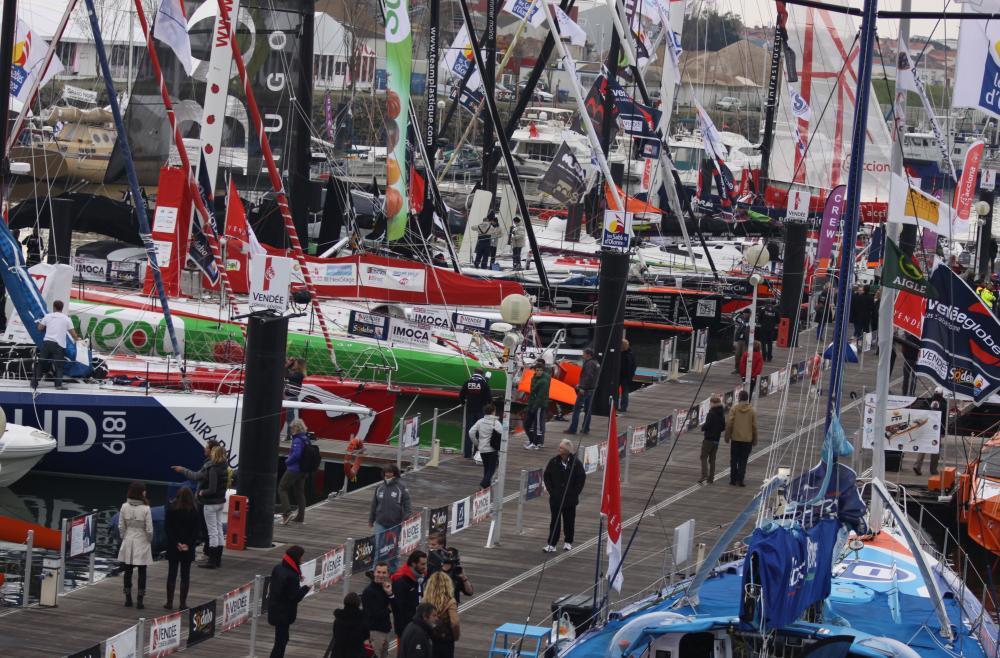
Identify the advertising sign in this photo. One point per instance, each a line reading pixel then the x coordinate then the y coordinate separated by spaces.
pixel 409 535
pixel 165 635
pixel 465 323
pixel 388 545
pixel 591 458
pixel 333 567
pixel 308 578
pixel 411 431
pixel 404 332
pixel 393 278
pixel 535 488
pixel 368 325
pixel 906 429
pixel 270 278
pixel 481 502
pixel 201 622
pixel 437 533
pixel 364 554
pixel 81 536
pixel 236 607
pixel 121 645
pixel 460 515
pixel 663 430
pixel 798 205
pixel 433 317
pixel 638 441
pixel 617 230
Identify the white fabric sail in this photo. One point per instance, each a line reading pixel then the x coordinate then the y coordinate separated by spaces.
pixel 822 42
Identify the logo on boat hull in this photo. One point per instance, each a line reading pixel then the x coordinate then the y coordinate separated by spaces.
pixel 866 571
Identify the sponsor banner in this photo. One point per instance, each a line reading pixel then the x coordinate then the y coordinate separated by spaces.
pixel 409 534
pixel 482 501
pixel 960 347
pixel 201 622
pixel 437 531
pixel 703 409
pixel 121 645
pixel 460 515
pixel 902 272
pixel 774 382
pixel 798 205
pixel 763 389
pixel 602 454
pixel 364 554
pixel 681 416
pixel 433 317
pixel 29 58
pixel 236 607
pixel 164 249
pixel 565 179
pixel 532 11
pixel 535 487
pixel 909 205
pixel 270 279
pixel 617 230
pixel 591 458
pixel 308 578
pixel 663 431
pixel 906 429
pixel 393 278
pixel 979 85
pixel 333 567
pixel 125 330
pixel 126 272
pixel 988 180
pixel 458 59
pixel 164 219
pixel 636 119
pixel 833 211
pixel 81 535
pixel 71 93
pixel 165 635
pixel 467 324
pixel 966 189
pixel 637 444
pixel 368 325
pixel 89 652
pixel 90 269
pixel 404 332
pixel 469 100
pixel 398 64
pixel 908 313
pixel 337 274
pixel 411 432
pixel 388 545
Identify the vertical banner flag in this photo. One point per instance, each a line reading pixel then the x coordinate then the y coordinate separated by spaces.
pixel 200 250
pixel 714 146
pixel 960 348
pixel 833 211
pixel 399 55
pixel 458 58
pixel 611 505
pixel 29 56
pixel 170 28
pixel 979 84
pixel 966 191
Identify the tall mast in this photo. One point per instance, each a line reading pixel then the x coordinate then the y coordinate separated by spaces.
pixel 426 219
pixel 771 104
pixel 7 56
pixel 301 142
pixel 489 179
pixel 220 64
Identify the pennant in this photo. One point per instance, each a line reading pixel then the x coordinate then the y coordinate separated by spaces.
pixel 800 108
pixel 28 58
pixel 611 504
pixel 532 11
pixel 170 28
pixel 909 205
pixel 568 27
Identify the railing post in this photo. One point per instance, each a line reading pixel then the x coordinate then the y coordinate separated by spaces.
pixel 90 571
pixel 258 599
pixel 425 529
pixel 140 640
pixel 26 580
pixel 434 434
pixel 416 448
pixel 628 453
pixel 520 501
pixel 399 447
pixel 348 564
pixel 61 585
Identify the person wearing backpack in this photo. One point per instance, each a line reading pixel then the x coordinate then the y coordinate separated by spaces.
pixel 297 468
pixel 486 434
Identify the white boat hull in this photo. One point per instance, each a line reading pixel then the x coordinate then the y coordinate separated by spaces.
pixel 20 449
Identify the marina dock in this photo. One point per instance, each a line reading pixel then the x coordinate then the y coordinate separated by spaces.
pixel 514 581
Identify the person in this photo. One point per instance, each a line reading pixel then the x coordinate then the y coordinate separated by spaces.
pixel 474 394
pixel 715 425
pixel 824 308
pixel 483 233
pixel 517 238
pixel 57 327
pixel 937 403
pixel 295 375
pixel 415 641
pixel 135 527
pixel 482 434
pixel 212 479
pixel 494 240
pixel 284 596
pixel 390 507
pixel 741 434
pixel 538 404
pixel 379 604
pixel 33 244
pixel 182 523
pixel 774 255
pixel 350 630
pixel 756 366
pixel 564 479
pixel 447 560
pixel 910 348
pixel 407 588
pixel 767 330
pixel 626 375
pixel 741 329
pixel 445 633
pixel 985 294
pixel 294 479
pixel 862 311
pixel 589 375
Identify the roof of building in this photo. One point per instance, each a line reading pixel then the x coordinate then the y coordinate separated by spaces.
pixel 740 64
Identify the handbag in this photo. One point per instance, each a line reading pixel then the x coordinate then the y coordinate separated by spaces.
pixel 495 440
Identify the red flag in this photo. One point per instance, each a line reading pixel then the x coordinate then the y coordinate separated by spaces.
pixel 611 504
pixel 241 243
pixel 908 313
pixel 416 191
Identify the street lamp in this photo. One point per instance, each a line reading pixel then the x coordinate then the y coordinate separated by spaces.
pixel 516 311
pixel 755 280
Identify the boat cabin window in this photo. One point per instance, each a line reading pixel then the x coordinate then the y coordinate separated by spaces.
pixel 687 158
pixel 989 465
pixel 540 150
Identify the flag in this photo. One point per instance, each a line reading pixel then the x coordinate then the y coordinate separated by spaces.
pixel 459 58
pixel 199 249
pixel 833 212
pixel 978 86
pixel 909 205
pixel 569 28
pixel 966 189
pixel 28 58
pixel 170 28
pixel 908 80
pixel 565 179
pixel 417 190
pixel 710 134
pixel 800 141
pixel 800 108
pixel 237 226
pixel 611 504
pixel 532 11
pixel 908 313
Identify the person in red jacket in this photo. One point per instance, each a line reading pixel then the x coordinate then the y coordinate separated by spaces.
pixel 756 367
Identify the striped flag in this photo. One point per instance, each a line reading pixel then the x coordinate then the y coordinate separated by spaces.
pixel 611 504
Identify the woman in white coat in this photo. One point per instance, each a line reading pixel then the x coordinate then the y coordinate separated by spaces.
pixel 135 527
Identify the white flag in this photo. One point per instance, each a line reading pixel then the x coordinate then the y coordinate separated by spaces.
pixel 800 108
pixel 459 58
pixel 978 83
pixel 908 205
pixel 908 80
pixel 532 11
pixel 714 147
pixel 568 28
pixel 29 56
pixel 170 28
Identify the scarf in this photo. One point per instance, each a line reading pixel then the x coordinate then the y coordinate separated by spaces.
pixel 287 559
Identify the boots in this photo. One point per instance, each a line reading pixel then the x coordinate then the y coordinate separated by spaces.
pixel 138 599
pixel 128 597
pixel 214 558
pixel 218 557
pixel 169 605
pixel 184 595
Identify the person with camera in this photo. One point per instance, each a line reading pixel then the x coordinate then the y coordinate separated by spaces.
pixel 486 434
pixel 447 560
pixel 379 604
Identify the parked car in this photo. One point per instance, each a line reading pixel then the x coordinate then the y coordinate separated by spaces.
pixel 728 103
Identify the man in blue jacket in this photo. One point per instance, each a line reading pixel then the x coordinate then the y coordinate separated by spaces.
pixel 294 480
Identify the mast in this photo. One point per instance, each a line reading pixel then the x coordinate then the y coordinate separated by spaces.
pixel 771 104
pixel 133 180
pixel 301 142
pixel 426 219
pixel 886 306
pixel 7 56
pixel 489 179
pixel 220 63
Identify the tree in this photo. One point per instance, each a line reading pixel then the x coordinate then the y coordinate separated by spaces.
pixel 711 31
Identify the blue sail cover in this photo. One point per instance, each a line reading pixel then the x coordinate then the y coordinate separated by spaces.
pixel 793 567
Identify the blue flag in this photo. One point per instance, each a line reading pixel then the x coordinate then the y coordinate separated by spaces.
pixel 200 250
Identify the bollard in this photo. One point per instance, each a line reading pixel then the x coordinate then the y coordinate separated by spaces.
pixel 258 600
pixel 435 459
pixel 348 564
pixel 520 501
pixel 60 586
pixel 26 580
pixel 628 453
pixel 399 447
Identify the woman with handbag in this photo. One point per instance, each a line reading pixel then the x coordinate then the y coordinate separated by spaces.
pixel 439 592
pixel 486 434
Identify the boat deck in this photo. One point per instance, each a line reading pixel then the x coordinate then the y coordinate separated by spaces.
pixel 515 581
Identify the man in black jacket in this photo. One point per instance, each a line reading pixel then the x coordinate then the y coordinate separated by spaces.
pixel 589 375
pixel 284 596
pixel 379 604
pixel 408 587
pixel 767 330
pixel 416 640
pixel 564 478
pixel 626 375
pixel 474 394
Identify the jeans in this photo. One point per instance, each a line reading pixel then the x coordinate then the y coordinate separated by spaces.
pixel 52 355
pixel 293 482
pixel 184 566
pixel 213 522
pixel 534 426
pixel 482 257
pixel 739 347
pixel 280 641
pixel 623 397
pixel 767 350
pixel 584 401
pixel 709 449
pixel 290 415
pixel 517 257
pixel 379 531
pixel 380 643
pixel 739 453
pixel 472 415
pixel 490 461
pixel 564 519
pixel 142 577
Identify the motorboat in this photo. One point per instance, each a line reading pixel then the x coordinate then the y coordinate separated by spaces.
pixel 21 447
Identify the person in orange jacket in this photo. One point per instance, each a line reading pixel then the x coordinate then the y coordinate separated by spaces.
pixel 756 366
